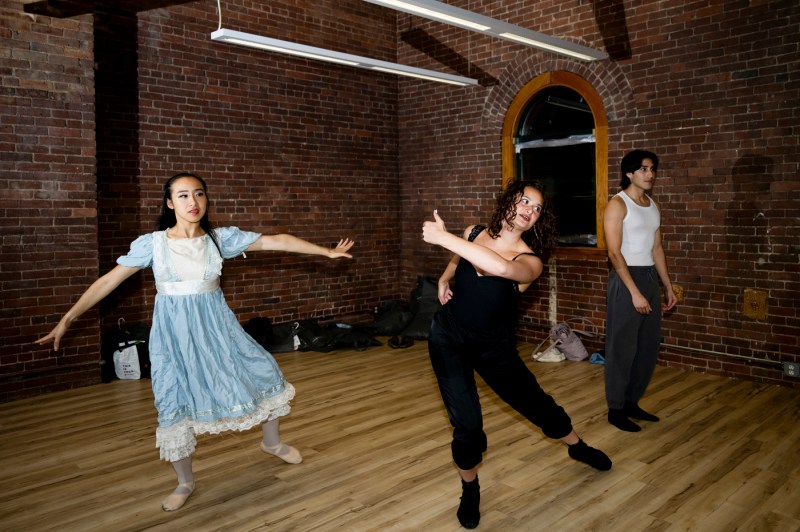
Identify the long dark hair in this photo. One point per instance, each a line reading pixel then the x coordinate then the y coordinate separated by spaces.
pixel 543 236
pixel 167 217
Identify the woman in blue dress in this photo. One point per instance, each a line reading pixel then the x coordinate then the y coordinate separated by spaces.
pixel 208 374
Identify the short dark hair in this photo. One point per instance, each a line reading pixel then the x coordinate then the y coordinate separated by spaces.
pixel 632 162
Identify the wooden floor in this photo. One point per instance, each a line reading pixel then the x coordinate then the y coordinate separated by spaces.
pixel 376 441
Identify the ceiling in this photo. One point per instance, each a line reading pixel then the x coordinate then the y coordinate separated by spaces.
pixel 73 8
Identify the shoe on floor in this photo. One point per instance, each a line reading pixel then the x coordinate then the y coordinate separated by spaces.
pixel 468 513
pixel 400 342
pixel 590 456
pixel 177 498
pixel 287 453
pixel 634 410
pixel 618 418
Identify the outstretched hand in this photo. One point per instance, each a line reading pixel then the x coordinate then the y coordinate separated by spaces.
pixel 433 230
pixel 55 336
pixel 341 249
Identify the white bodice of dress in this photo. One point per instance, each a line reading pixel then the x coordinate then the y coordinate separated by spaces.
pixel 188 257
pixel 185 259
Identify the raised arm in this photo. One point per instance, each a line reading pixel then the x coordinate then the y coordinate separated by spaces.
pixel 525 270
pixel 292 244
pixel 93 295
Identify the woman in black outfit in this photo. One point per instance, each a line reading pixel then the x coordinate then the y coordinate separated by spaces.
pixel 475 331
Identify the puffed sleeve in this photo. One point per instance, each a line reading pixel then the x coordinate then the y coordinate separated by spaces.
pixel 140 254
pixel 233 241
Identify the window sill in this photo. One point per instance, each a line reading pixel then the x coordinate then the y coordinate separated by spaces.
pixel 579 252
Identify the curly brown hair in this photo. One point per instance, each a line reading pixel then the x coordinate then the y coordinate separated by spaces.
pixel 543 236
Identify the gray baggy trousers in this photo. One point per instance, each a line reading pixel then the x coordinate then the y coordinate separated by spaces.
pixel 632 339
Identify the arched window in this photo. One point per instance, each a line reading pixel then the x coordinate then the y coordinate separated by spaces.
pixel 556 132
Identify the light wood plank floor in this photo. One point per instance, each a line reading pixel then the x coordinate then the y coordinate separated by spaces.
pixel 376 443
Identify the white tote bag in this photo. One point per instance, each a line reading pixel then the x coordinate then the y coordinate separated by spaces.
pixel 126 362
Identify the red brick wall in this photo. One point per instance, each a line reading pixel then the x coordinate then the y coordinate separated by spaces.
pixel 286 145
pixel 712 89
pixel 48 209
pixel 289 145
pixel 118 160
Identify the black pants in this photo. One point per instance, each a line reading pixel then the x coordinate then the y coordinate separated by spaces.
pixel 632 339
pixel 456 353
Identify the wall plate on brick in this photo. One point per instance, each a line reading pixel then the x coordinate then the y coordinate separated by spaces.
pixel 791 369
pixel 678 290
pixel 755 304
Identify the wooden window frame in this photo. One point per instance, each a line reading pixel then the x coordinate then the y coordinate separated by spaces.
pixel 590 96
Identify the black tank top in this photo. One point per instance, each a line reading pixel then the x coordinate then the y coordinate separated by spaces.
pixel 483 303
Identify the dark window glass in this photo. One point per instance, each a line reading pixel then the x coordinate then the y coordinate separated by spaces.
pixel 555 144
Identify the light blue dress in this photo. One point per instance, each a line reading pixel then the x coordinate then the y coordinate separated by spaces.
pixel 208 374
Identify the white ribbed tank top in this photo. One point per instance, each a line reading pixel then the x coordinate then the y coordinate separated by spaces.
pixel 639 231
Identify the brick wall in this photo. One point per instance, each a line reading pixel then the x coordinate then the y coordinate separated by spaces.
pixel 290 145
pixel 48 210
pixel 286 145
pixel 119 201
pixel 712 89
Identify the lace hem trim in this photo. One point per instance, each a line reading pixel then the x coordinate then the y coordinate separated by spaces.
pixel 178 441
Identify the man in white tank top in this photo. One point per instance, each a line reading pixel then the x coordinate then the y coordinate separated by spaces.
pixel 632 223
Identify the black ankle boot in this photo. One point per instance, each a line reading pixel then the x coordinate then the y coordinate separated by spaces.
pixel 617 417
pixel 468 513
pixel 589 455
pixel 634 410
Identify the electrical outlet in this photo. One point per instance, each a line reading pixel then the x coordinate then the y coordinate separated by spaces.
pixel 791 369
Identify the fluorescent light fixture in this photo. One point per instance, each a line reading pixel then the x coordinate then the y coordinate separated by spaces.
pixel 410 7
pixel 321 54
pixel 473 21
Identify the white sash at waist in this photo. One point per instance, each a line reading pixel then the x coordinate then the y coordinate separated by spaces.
pixel 187 288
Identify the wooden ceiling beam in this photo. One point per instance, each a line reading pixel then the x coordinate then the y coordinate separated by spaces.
pixel 74 8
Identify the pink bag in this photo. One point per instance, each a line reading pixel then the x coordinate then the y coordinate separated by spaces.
pixel 565 339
